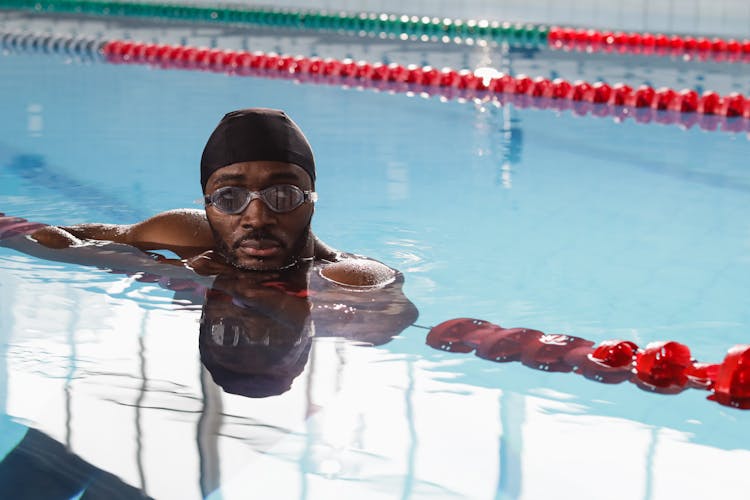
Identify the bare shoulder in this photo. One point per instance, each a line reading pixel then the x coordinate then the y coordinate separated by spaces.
pixel 360 272
pixel 360 299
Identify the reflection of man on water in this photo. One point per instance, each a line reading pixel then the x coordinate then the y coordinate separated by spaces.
pixel 256 328
pixel 254 338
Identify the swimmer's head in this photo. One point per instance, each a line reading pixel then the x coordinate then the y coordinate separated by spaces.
pixel 256 134
pixel 262 151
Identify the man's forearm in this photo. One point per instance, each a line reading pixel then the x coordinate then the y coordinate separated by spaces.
pixel 107 232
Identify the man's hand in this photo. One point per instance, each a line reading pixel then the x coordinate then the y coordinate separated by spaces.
pixel 209 263
pixel 55 237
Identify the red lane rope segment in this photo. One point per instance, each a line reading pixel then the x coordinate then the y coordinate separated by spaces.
pixel 662 367
pixel 689 47
pixel 242 62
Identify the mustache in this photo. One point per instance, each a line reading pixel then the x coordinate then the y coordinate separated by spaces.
pixel 260 234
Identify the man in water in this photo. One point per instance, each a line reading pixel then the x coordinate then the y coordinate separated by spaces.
pixel 258 179
pixel 254 237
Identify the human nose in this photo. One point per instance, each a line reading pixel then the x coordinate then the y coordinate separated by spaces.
pixel 257 214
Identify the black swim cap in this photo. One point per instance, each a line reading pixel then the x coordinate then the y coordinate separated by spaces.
pixel 256 134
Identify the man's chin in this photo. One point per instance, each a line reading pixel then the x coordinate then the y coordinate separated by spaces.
pixel 259 264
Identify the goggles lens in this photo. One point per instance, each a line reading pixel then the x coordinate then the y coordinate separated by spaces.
pixel 279 198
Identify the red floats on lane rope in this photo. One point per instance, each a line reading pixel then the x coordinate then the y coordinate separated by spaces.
pixel 686 108
pixel 687 47
pixel 662 367
pixel 732 383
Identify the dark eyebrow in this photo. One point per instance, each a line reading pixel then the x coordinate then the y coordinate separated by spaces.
pixel 283 176
pixel 274 178
pixel 228 178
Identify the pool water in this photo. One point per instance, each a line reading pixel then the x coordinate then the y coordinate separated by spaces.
pixel 574 225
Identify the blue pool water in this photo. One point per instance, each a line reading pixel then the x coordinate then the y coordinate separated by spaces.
pixel 574 225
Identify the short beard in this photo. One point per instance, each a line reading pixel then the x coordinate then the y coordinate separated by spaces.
pixel 230 256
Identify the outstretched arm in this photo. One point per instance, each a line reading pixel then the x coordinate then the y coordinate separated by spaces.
pixel 184 232
pixel 57 244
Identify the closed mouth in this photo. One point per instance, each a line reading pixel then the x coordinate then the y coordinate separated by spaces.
pixel 261 248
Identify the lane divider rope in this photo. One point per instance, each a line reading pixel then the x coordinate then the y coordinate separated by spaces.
pixel 685 107
pixel 644 104
pixel 665 367
pixel 532 35
pixel 81 47
pixel 369 23
pixel 658 44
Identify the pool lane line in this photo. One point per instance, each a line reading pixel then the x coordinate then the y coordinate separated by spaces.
pixel 686 108
pixel 402 26
pixel 414 27
pixel 80 47
pixel 687 47
pixel 665 367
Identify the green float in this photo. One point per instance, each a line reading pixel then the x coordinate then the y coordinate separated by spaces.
pixel 364 23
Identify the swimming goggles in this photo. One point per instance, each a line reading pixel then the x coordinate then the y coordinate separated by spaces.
pixel 280 198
